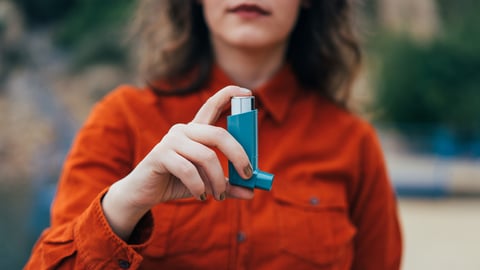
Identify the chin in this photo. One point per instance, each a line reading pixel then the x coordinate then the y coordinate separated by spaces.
pixel 251 41
pixel 252 45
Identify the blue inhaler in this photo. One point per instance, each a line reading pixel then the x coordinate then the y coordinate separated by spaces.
pixel 242 124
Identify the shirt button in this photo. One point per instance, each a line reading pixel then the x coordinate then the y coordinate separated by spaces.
pixel 314 201
pixel 241 237
pixel 123 264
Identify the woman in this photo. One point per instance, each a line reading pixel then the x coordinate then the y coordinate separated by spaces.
pixel 144 187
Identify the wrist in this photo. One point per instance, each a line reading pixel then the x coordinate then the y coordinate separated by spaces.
pixel 121 216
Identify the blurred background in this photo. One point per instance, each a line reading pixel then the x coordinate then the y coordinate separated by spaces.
pixel 420 87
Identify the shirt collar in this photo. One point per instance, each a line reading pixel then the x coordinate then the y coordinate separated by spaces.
pixel 274 96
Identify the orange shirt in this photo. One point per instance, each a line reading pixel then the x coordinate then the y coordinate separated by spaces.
pixel 331 205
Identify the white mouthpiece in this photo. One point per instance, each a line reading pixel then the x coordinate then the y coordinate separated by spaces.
pixel 242 104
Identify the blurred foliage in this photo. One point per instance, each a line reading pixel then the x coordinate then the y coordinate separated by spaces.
pixel 461 19
pixel 91 18
pixel 95 31
pixel 436 83
pixel 40 12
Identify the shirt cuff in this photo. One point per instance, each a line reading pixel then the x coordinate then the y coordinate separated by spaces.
pixel 99 247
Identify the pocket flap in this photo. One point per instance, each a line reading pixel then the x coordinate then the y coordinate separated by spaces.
pixel 316 194
pixel 58 235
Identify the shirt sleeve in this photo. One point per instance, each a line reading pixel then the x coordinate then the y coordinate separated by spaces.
pixel 79 236
pixel 378 244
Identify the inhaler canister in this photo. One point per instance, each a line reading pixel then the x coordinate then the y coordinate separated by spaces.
pixel 242 104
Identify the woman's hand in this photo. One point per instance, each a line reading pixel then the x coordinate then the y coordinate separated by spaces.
pixel 181 165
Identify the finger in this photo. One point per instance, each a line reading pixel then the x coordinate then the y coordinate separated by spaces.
pixel 224 141
pixel 239 192
pixel 186 172
pixel 207 182
pixel 216 104
pixel 180 194
pixel 207 161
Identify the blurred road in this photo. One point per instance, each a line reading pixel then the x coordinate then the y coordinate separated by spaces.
pixel 441 233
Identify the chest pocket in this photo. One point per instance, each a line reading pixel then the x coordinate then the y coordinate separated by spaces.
pixel 313 221
pixel 185 226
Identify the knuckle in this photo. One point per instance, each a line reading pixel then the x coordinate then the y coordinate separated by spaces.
pixel 177 128
pixel 191 125
pixel 220 133
pixel 162 148
pixel 210 156
pixel 168 140
pixel 186 169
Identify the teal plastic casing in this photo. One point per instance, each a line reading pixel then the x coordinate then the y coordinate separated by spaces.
pixel 243 127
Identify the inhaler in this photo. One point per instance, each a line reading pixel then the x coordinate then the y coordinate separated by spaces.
pixel 242 124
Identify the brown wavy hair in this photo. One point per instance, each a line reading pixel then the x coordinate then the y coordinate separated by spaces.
pixel 173 41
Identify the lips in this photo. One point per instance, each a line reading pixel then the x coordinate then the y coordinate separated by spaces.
pixel 249 9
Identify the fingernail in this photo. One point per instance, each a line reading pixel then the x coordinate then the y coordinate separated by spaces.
pixel 203 197
pixel 222 196
pixel 248 171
